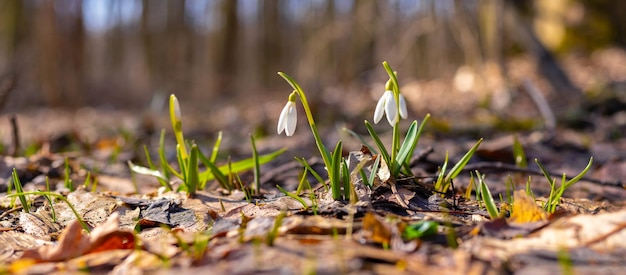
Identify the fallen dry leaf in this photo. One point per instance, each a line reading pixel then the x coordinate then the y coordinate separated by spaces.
pixel 525 209
pixel 74 242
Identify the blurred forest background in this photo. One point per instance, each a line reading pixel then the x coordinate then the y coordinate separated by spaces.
pixel 122 54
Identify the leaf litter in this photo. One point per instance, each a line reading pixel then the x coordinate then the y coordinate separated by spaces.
pixel 220 233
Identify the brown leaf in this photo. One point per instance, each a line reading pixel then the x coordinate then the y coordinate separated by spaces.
pixel 73 242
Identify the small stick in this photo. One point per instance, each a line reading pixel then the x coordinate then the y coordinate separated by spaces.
pixel 542 105
pixel 15 135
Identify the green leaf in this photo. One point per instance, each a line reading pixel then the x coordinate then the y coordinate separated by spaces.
pixel 420 229
pixel 315 174
pixel 464 160
pixel 216 147
pixel 257 169
pixel 334 172
pixel 379 143
pixel 242 165
pixel 216 172
pixel 518 153
pixel 20 191
pixel 192 171
pixel 361 139
pixel 146 171
pixel 293 196
pixel 490 204
pixel 374 172
pixel 439 184
pixel 406 163
pixel 163 181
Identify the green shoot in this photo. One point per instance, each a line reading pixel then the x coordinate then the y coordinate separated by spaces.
pixel 175 116
pixel 374 172
pixel 49 199
pixel 379 143
pixel 287 122
pixel 555 195
pixel 518 153
pixel 487 198
pixel 59 196
pixel 293 196
pixel 458 167
pixel 361 139
pixel 315 174
pixel 470 186
pixel 20 192
pixel 161 178
pixel 271 236
pixel 420 230
pixel 67 180
pixel 257 169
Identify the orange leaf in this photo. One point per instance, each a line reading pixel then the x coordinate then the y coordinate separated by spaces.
pixel 525 210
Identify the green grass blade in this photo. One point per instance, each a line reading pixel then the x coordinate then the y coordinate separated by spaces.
pixel 379 143
pixel 163 181
pixel 361 139
pixel 464 160
pixel 407 160
pixel 20 191
pixel 192 171
pixel 407 147
pixel 216 147
pixel 334 172
pixel 300 200
pixel 315 174
pixel 216 173
pixel 347 183
pixel 518 153
pixel 490 204
pixel 439 184
pixel 580 175
pixel 67 181
pixel 59 196
pixel 257 169
pixel 374 172
pixel 242 165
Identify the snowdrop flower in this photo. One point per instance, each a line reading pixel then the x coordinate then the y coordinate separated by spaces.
pixel 387 104
pixel 288 117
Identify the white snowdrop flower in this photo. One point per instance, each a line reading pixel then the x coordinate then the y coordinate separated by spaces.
pixel 288 118
pixel 389 106
pixel 385 105
pixel 403 112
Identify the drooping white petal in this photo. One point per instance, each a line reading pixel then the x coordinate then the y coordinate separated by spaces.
pixel 380 108
pixel 292 119
pixel 391 109
pixel 403 112
pixel 288 119
pixel 282 119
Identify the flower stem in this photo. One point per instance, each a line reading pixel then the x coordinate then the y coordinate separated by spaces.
pixel 318 140
pixel 395 143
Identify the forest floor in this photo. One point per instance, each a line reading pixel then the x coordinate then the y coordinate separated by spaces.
pixel 138 227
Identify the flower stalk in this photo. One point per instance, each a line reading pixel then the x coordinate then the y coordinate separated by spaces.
pixel 332 162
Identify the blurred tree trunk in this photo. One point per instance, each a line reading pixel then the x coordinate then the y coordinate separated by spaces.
pixel 11 29
pixel 177 51
pixel 566 94
pixel 270 44
pixel 146 39
pixel 73 47
pixel 47 46
pixel 226 59
pixel 362 54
